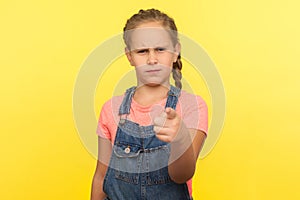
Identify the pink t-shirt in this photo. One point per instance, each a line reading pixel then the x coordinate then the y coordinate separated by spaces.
pixel 191 108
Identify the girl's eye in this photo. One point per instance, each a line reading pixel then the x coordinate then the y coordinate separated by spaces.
pixel 142 51
pixel 160 49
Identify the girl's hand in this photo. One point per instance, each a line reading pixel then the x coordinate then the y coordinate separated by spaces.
pixel 168 125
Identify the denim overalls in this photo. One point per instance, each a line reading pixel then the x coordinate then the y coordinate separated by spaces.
pixel 138 166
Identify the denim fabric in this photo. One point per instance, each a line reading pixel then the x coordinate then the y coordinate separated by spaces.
pixel 138 166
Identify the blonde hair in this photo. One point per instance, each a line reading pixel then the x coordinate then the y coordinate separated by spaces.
pixel 167 22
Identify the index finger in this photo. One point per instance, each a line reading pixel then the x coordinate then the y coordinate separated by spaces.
pixel 171 113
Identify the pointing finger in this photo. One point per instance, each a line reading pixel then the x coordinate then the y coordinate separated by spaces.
pixel 171 113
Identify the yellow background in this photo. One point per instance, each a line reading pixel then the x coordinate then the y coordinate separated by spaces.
pixel 254 44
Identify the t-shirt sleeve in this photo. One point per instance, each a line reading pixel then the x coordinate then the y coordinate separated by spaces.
pixel 195 114
pixel 103 122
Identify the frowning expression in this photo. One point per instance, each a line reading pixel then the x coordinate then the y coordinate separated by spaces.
pixel 152 53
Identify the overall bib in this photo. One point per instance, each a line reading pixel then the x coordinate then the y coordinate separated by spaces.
pixel 138 166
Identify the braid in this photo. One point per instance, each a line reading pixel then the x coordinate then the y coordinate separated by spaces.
pixel 176 72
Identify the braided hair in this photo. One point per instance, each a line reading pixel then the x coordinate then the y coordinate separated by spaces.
pixel 150 15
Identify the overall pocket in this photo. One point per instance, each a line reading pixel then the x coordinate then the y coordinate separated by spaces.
pixel 126 161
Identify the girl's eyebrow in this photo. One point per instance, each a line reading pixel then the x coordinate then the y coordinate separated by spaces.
pixel 139 49
pixel 152 47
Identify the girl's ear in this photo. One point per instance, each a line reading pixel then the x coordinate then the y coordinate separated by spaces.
pixel 177 51
pixel 128 55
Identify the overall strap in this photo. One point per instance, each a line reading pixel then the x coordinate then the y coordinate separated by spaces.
pixel 173 96
pixel 125 106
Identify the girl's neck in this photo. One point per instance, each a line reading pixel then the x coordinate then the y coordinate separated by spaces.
pixel 148 95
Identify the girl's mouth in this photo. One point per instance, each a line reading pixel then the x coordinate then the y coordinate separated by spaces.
pixel 153 70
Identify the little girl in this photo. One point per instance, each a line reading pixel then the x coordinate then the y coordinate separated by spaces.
pixel 150 137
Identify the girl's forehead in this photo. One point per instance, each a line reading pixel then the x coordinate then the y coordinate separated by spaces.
pixel 149 37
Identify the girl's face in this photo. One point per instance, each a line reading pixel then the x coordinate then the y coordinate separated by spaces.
pixel 152 53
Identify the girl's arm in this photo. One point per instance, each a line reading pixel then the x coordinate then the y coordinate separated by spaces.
pixel 185 144
pixel 182 165
pixel 104 152
pixel 97 184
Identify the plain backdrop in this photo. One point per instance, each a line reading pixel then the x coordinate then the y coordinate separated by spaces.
pixel 254 45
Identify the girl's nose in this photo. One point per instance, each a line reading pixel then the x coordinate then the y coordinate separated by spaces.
pixel 152 59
